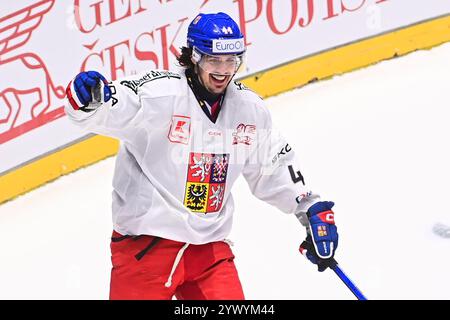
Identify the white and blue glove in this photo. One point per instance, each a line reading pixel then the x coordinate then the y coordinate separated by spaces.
pixel 322 238
pixel 88 91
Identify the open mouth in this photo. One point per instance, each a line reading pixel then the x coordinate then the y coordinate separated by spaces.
pixel 218 79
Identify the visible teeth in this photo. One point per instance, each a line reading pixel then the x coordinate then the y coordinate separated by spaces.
pixel 217 77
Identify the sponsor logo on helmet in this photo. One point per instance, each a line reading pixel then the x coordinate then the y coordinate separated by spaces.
pixel 227 30
pixel 228 46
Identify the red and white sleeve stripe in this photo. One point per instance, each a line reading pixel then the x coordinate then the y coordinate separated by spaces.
pixel 72 97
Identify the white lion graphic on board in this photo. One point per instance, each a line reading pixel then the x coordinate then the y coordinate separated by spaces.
pixel 17 117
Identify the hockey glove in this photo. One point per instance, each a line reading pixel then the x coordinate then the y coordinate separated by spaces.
pixel 91 90
pixel 322 237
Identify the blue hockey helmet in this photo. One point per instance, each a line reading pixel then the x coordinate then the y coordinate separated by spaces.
pixel 215 34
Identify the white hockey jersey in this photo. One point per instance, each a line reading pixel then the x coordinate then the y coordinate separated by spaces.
pixel 176 168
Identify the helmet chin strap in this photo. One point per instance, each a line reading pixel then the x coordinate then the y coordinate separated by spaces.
pixel 197 73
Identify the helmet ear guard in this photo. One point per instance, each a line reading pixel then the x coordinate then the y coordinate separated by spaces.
pixel 196 56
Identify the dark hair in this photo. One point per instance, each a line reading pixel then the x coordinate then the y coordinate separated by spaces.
pixel 185 58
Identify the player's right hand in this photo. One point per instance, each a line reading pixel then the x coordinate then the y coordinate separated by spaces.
pixel 322 237
pixel 307 250
pixel 91 90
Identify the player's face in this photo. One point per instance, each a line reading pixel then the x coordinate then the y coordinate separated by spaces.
pixel 214 83
pixel 216 72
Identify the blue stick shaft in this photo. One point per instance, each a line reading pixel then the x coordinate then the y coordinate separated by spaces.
pixel 354 289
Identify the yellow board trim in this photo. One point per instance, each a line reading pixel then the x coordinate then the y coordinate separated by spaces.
pixel 53 166
pixel 268 83
pixel 350 57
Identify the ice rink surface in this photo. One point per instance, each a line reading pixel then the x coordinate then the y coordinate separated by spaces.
pixel 374 141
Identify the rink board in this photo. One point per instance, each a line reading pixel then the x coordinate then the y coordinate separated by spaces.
pixel 267 83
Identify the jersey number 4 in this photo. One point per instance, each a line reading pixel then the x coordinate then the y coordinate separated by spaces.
pixel 296 176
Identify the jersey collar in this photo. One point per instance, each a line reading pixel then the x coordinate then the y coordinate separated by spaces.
pixel 210 103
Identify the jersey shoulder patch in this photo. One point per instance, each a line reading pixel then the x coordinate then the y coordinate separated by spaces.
pixel 134 83
pixel 243 89
pixel 255 105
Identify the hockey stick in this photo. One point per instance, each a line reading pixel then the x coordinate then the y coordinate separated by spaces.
pixel 340 273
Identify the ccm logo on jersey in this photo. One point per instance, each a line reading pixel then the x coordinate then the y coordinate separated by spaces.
pixel 180 129
pixel 244 134
pixel 214 133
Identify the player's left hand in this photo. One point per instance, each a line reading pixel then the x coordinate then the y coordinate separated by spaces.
pixel 88 91
pixel 322 239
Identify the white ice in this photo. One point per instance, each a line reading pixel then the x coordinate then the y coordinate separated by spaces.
pixel 375 141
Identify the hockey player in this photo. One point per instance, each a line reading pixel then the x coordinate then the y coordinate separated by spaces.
pixel 186 136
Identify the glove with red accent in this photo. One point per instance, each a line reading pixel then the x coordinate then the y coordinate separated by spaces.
pixel 88 91
pixel 322 237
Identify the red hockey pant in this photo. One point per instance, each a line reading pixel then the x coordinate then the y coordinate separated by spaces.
pixel 143 265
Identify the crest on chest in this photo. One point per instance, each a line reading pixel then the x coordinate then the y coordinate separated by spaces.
pixel 206 181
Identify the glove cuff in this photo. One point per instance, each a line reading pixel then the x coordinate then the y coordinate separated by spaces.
pixel 75 103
